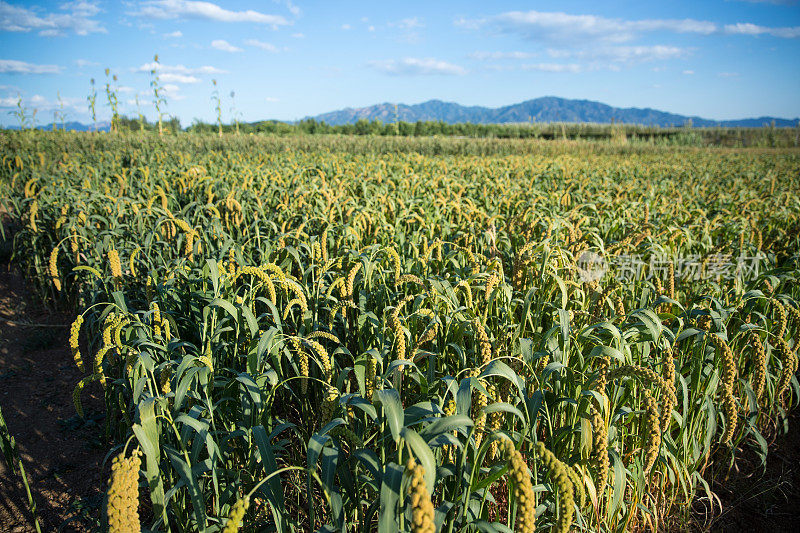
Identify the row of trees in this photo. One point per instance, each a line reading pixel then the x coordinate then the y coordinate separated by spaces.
pixel 615 133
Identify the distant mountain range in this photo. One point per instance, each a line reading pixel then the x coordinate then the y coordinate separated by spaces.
pixel 546 109
pixel 542 110
pixel 71 126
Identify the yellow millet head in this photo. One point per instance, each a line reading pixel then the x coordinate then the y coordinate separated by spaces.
pixel 114 263
pixel 316 252
pixel 132 262
pixel 599 457
pixel 155 321
pixel 479 402
pixel 123 494
pixel 410 278
pixel 760 364
pixel 577 485
pixel 495 423
pixel 789 361
pixel 329 403
pixel 729 374
pixel 491 283
pixel 651 431
pixel 164 380
pixel 668 372
pixel 369 378
pixel 795 313
pixel 236 515
pixel 421 506
pixel 485 347
pixel 74 333
pixel 768 286
pixel 781 319
pixel 53 266
pixel 523 488
pixel 302 362
pixel 73 240
pixel 351 278
pixel 297 291
pixel 429 334
pixel 619 307
pixel 450 407
pixel 560 476
pixel 108 329
pixel 33 213
pixel 324 245
pixel 395 257
pixel 324 359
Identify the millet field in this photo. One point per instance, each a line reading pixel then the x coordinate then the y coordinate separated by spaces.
pixel 356 334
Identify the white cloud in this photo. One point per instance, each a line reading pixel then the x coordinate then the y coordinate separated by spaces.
pixel 484 56
pixel 602 57
pixel 172 92
pixel 171 9
pixel 298 35
pixel 76 17
pixel 410 23
pixel 409 29
pixel 575 29
pixel 347 27
pixel 371 28
pixel 178 69
pixel 225 46
pixel 177 34
pixel 44 105
pixel 293 9
pixel 170 77
pixel 566 28
pixel 554 67
pixel 12 66
pixel 411 66
pixel 745 28
pixel 81 63
pixel 728 74
pixel 271 99
pixel 623 54
pixel 261 44
pixel 688 72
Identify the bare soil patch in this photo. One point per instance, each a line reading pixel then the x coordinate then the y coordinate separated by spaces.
pixel 751 498
pixel 63 455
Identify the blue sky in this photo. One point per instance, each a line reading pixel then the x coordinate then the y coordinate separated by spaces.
pixel 287 59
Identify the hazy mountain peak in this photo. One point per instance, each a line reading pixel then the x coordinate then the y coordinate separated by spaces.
pixel 543 109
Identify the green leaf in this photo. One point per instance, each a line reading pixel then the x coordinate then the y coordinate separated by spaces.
pixel 393 410
pixel 273 489
pixel 390 496
pixel 423 454
pixel 147 434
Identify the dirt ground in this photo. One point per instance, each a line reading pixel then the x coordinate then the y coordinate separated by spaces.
pixel 752 499
pixel 62 454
